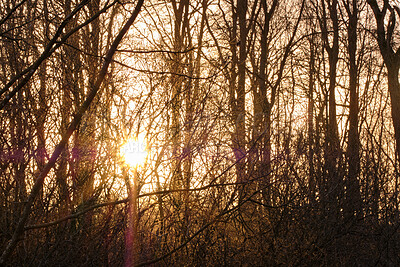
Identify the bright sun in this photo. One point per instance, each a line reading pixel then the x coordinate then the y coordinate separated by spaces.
pixel 134 151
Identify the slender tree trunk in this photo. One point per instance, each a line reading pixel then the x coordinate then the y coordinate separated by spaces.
pixel 353 198
pixel 181 114
pixel 394 89
pixel 239 112
pixel 333 183
pixel 88 133
pixel 310 120
pixel 266 106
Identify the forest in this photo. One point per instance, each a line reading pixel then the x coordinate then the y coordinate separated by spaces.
pixel 199 133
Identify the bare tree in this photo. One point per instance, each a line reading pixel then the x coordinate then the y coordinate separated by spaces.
pixel 385 37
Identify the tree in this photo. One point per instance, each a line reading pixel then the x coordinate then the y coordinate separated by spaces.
pixel 353 188
pixel 391 56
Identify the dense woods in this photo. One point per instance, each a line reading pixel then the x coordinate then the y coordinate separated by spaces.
pixel 271 128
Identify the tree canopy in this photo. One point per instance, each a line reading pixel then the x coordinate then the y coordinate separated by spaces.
pixel 199 133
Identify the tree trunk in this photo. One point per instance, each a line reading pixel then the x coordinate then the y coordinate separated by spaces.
pixel 394 90
pixel 353 198
pixel 310 120
pixel 239 111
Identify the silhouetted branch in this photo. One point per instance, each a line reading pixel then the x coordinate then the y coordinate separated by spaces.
pixel 61 146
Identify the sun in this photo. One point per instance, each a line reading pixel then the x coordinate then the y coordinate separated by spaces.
pixel 134 151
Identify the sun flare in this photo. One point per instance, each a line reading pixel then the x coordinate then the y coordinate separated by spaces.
pixel 134 151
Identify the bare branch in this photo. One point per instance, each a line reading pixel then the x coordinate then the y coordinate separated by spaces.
pixel 60 147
